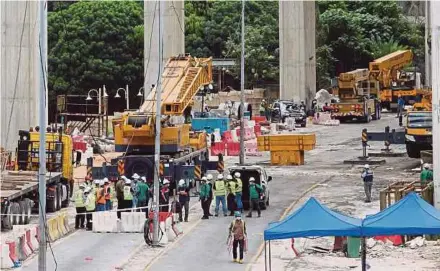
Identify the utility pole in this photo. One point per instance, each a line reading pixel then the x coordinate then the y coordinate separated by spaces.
pixel 427 56
pixel 435 60
pixel 157 138
pixel 42 246
pixel 242 87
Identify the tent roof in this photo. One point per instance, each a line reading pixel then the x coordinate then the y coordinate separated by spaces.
pixel 313 219
pixel 410 215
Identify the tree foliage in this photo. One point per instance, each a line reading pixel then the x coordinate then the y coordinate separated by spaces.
pixel 92 43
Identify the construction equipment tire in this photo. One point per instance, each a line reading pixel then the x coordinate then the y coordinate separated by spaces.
pixel 15 211
pixel 51 204
pixel 412 151
pixel 7 219
pixel 21 218
pixel 65 203
pixel 59 196
pixel 28 211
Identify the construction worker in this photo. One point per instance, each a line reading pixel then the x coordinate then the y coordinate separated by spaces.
pixel 210 180
pixel 96 186
pixel 90 205
pixel 254 196
pixel 367 177
pixel 183 192
pixel 120 193
pixel 108 194
pixel 220 195
pixel 142 188
pixel 80 207
pixel 400 106
pixel 204 196
pixel 128 195
pixel 135 178
pixel 100 197
pixel 425 175
pixel 231 187
pixel 237 234
pixel 238 191
pixel 164 196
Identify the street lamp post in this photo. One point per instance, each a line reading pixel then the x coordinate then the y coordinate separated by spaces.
pixel 89 98
pixel 126 93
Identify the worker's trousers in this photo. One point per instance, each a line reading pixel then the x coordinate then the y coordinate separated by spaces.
pixel 100 207
pixel 205 207
pixel 240 245
pixel 184 205
pixel 238 201
pixel 89 220
pixel 80 217
pixel 255 205
pixel 222 200
pixel 108 204
pixel 367 188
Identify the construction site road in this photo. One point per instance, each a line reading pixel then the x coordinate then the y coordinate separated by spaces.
pixel 204 245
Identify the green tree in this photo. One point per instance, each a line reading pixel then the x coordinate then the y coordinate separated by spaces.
pixel 381 48
pixel 95 43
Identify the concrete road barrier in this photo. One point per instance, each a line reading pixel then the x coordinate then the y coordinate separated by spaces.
pixel 52 229
pixel 132 222
pixel 31 241
pixel 104 222
pixel 6 260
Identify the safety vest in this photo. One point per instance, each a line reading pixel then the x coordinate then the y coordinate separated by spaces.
pixel 239 188
pixel 232 187
pixel 108 192
pixel 90 202
pixel 127 193
pixel 79 199
pixel 100 196
pixel 220 189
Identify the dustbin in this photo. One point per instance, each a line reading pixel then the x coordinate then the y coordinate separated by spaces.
pixel 353 247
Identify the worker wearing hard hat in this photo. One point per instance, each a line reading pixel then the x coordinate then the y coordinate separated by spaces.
pixel 143 196
pixel 231 188
pixel 108 190
pixel 127 196
pixel 254 196
pixel 100 197
pixel 210 181
pixel 80 207
pixel 164 196
pixel 237 237
pixel 183 192
pixel 134 189
pixel 238 191
pixel 426 175
pixel 204 196
pixel 90 205
pixel 220 195
pixel 367 177
pixel 120 193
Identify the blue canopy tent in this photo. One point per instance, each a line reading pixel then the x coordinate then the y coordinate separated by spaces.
pixel 411 215
pixel 312 219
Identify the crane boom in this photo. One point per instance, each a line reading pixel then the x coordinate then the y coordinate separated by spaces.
pixel 384 69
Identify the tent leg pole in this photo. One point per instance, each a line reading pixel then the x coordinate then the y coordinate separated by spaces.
pixel 364 254
pixel 265 256
pixel 270 258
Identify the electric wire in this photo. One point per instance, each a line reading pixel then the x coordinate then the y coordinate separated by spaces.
pixel 178 17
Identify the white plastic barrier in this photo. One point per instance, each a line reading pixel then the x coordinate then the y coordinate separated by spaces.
pixel 169 231
pixel 290 122
pixel 273 128
pixel 6 261
pixel 132 222
pixel 32 239
pixel 234 135
pixel 218 137
pixel 105 222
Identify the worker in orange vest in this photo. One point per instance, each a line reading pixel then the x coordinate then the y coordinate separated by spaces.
pixel 100 197
pixel 108 194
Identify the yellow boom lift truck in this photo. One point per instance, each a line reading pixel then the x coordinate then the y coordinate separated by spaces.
pixel 418 130
pixel 19 187
pixel 355 102
pixel 183 152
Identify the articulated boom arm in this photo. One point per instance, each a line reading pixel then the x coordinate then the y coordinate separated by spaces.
pixel 350 81
pixel 182 78
pixel 384 69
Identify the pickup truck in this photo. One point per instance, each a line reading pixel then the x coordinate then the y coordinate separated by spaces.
pixel 261 178
pixel 281 110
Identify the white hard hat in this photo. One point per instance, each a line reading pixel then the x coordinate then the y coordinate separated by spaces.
pixel 127 181
pixel 209 177
pixel 106 180
pixel 97 181
pixel 101 182
pixel 251 179
pixel 229 177
pixel 165 181
pixel 237 174
pixel 87 190
pixel 143 178
pixel 181 182
pixel 220 176
pixel 426 165
pixel 367 166
pixel 135 176
pixel 204 178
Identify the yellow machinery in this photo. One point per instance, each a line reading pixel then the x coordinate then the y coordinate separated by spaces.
pixel 393 80
pixel 356 102
pixel 182 78
pixel 287 149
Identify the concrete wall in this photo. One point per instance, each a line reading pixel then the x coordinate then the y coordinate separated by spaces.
pixel 19 69
pixel 297 50
pixel 173 40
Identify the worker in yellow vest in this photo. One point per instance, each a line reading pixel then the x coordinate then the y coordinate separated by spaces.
pixel 90 205
pixel 220 195
pixel 232 206
pixel 238 191
pixel 80 207
pixel 128 195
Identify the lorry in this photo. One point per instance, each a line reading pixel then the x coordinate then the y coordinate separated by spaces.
pixel 418 132
pixel 283 109
pixel 182 151
pixel 261 178
pixel 19 187
pixel 355 102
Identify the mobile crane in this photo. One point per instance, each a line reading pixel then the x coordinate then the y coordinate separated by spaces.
pixel 181 149
pixel 393 80
pixel 355 102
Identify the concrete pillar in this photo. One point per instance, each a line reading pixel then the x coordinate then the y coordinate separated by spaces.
pixel 297 50
pixel 174 37
pixel 20 67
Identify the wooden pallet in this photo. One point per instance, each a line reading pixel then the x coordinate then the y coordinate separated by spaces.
pixel 425 191
pixel 392 193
